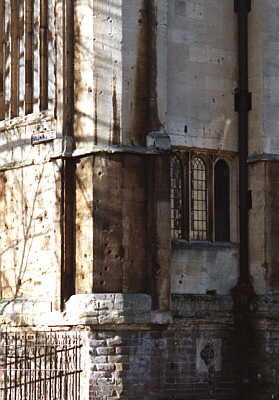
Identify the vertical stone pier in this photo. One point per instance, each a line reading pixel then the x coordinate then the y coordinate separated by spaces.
pixel 122 345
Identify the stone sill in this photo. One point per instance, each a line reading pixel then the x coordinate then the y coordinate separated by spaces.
pixel 189 305
pixel 24 120
pixel 185 244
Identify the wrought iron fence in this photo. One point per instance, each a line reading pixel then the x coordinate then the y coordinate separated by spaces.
pixel 40 365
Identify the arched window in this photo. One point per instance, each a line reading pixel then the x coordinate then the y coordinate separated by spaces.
pixel 199 202
pixel 200 197
pixel 176 198
pixel 222 201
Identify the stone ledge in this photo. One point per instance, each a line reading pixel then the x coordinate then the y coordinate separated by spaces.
pixel 266 306
pixel 22 312
pixel 108 308
pixel 190 305
pixel 85 310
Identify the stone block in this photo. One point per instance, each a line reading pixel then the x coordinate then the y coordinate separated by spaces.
pixel 105 367
pixel 161 318
pixel 105 350
pixel 114 341
pixel 118 359
pixel 98 375
pixel 119 367
pixel 99 359
pixel 111 308
pixel 97 342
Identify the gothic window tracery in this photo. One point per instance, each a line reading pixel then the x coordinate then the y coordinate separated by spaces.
pixel 200 197
pixel 199 204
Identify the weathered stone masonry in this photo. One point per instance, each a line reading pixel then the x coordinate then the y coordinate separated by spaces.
pixel 130 351
pixel 85 232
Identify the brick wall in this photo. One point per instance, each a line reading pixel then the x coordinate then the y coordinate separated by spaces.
pixel 132 352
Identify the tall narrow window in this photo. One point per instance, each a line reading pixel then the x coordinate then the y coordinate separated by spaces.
pixel 199 208
pixel 222 201
pixel 176 198
pixel 26 56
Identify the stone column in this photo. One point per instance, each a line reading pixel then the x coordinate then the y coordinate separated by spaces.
pixel 118 82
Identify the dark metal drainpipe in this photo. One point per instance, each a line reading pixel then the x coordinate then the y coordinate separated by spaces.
pixel 243 292
pixel 243 106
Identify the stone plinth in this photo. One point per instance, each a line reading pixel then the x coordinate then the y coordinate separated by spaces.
pixel 113 308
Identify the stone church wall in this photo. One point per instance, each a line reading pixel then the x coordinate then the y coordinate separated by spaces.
pixel 202 74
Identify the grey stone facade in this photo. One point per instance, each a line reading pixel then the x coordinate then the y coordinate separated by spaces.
pixel 86 206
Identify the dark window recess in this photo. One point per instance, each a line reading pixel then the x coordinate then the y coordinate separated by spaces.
pixel 222 201
pixel 176 198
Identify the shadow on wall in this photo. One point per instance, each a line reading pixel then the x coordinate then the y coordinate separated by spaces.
pixel 25 232
pixel 96 105
pixel 102 112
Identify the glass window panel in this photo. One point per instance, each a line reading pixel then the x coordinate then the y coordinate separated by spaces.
pixel 199 211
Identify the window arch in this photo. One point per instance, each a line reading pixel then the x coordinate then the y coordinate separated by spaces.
pixel 199 199
pixel 222 201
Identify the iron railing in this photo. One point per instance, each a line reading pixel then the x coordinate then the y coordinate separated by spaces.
pixel 40 365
